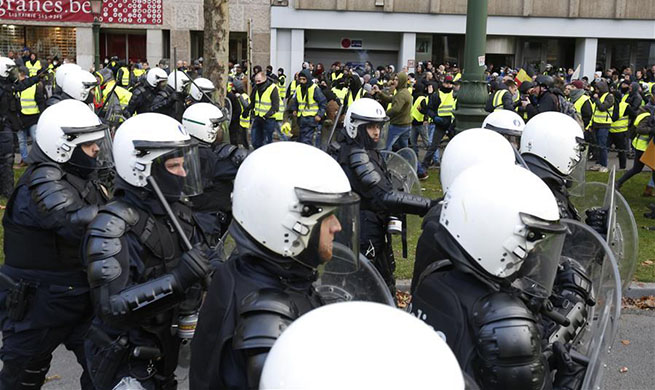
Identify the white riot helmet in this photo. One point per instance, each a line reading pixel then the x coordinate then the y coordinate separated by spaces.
pixel 348 346
pixel 200 87
pixel 156 76
pixel 288 213
pixel 556 138
pixel 78 84
pixel 6 65
pixel 158 146
pixel 471 147
pixel 64 70
pixel 205 122
pixel 69 124
pixel 178 80
pixel 361 113
pixel 510 230
pixel 505 122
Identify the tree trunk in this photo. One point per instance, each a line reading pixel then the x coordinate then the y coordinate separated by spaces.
pixel 217 40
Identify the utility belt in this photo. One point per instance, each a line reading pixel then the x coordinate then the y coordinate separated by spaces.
pixel 19 296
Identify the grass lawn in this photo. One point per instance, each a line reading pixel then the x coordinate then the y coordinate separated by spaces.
pixel 631 190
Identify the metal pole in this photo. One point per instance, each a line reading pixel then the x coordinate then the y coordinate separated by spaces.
pixel 473 94
pixel 96 42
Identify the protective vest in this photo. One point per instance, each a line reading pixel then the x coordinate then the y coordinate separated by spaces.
pixel 335 76
pixel 28 101
pixel 447 104
pixel 416 114
pixel 650 89
pixel 263 102
pixel 350 99
pixel 603 117
pixel 457 77
pixel 33 68
pixel 641 140
pixel 308 106
pixel 621 124
pixel 578 107
pixel 292 87
pixel 283 105
pixel 340 92
pixel 125 78
pixel 244 122
pixel 498 99
pixel 123 94
pixel 138 72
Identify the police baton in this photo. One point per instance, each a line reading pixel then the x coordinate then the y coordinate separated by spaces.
pixel 174 221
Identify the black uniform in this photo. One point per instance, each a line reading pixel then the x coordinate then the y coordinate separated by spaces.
pixel 368 176
pixel 141 280
pixel 168 102
pixel 43 226
pixel 142 99
pixel 253 297
pixel 213 208
pixel 9 123
pixel 556 183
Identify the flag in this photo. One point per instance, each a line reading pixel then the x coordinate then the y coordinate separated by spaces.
pixel 576 74
pixel 522 77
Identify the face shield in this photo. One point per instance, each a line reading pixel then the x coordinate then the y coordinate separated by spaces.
pixel 220 128
pixel 177 171
pixel 93 146
pixel 577 176
pixel 545 240
pixel 333 243
pixel 87 87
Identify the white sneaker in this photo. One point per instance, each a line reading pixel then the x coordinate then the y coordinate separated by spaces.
pixel 603 169
pixel 594 167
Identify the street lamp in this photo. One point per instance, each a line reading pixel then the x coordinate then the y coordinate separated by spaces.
pixel 96 9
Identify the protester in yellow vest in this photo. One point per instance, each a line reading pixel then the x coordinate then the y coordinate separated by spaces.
pixel 444 99
pixel 264 103
pixel 618 135
pixel 604 102
pixel 33 65
pixel 124 77
pixel 582 103
pixel 308 104
pixel 643 126
pixel 353 93
pixel 420 119
pixel 239 125
pixel 502 98
pixel 32 103
pixel 110 99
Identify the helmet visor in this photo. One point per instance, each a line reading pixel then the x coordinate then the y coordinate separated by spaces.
pixel 220 128
pixel 545 241
pixel 177 172
pixel 94 141
pixel 577 178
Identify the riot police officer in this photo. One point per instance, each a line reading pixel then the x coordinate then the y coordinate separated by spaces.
pixel 141 275
pixel 219 163
pixel 76 85
pixel 9 119
pixel 357 154
pixel 45 286
pixel 178 82
pixel 285 225
pixel 201 90
pixel 144 95
pixel 488 292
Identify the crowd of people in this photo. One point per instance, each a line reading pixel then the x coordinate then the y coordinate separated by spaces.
pixel 115 234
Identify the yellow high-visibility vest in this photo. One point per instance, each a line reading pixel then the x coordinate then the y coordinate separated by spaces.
pixel 341 93
pixel 457 77
pixel 621 124
pixel 263 103
pixel 578 106
pixel 309 106
pixel 603 117
pixel 447 104
pixel 33 68
pixel 123 94
pixel 244 122
pixel 125 79
pixel 28 101
pixel 349 96
pixel 641 140
pixel 279 115
pixel 498 99
pixel 416 114
pixel 334 76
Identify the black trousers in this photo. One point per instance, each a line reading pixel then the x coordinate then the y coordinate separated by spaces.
pixel 620 141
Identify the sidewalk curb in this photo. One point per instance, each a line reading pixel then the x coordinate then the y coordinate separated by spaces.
pixel 636 289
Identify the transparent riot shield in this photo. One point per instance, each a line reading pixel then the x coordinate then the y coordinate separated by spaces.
pixel 339 283
pixel 403 175
pixel 594 341
pixel 410 155
pixel 227 110
pixel 622 236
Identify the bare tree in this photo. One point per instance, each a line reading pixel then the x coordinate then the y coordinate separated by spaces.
pixel 217 40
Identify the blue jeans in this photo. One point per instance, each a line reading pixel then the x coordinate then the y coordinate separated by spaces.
pixel 398 134
pixel 261 132
pixel 22 140
pixel 417 130
pixel 308 127
pixel 602 133
pixel 278 131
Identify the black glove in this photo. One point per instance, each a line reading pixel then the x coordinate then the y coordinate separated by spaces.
pixel 570 374
pixel 193 267
pixel 42 72
pixel 597 220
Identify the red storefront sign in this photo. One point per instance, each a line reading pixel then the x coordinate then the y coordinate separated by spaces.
pixel 113 11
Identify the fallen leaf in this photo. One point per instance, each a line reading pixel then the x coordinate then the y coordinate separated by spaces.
pixel 403 299
pixel 623 370
pixel 648 262
pixel 625 342
pixel 52 378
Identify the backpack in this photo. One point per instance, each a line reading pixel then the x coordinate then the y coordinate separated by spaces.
pixel 567 108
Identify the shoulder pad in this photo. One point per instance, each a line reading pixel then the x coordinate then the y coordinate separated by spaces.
pixel 49 191
pixel 263 316
pixel 45 172
pixel 103 271
pixel 360 162
pixel 123 211
pixel 224 151
pixel 107 225
pixel 500 306
pixel 238 156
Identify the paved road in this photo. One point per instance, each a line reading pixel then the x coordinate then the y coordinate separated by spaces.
pixel 636 326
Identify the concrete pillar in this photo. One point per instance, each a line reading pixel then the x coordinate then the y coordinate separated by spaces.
pixel 273 49
pixel 585 55
pixel 181 39
pixel 84 47
pixel 297 54
pixel 154 46
pixel 407 50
